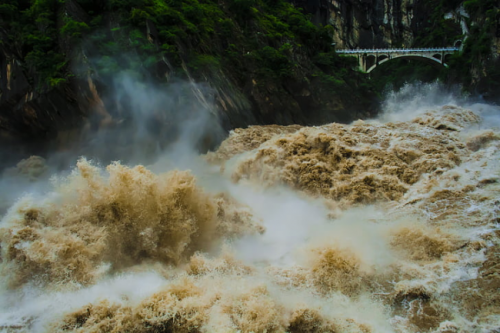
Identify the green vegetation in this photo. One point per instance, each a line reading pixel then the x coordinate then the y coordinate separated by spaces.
pixel 265 39
pixel 33 34
pixel 474 64
pixel 397 72
pixel 439 31
pixel 270 43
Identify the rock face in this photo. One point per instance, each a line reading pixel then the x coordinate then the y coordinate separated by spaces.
pixel 28 113
pixel 377 23
pixel 370 23
pixel 392 23
pixel 29 119
pixel 474 25
pixel 36 121
pixel 320 9
pixel 279 79
pixel 272 69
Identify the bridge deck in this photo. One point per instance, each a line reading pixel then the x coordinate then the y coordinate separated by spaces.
pixel 426 50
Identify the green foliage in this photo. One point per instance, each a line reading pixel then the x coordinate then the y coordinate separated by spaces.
pixel 257 35
pixel 125 5
pixel 137 16
pixel 243 9
pixel 55 82
pixel 269 40
pixel 466 67
pixel 33 33
pixel 450 4
pixel 74 29
pixel 329 59
pixel 474 62
pixel 475 7
pixel 397 72
pixel 334 82
pixel 439 31
pixel 203 62
pixel 274 62
pixel 7 10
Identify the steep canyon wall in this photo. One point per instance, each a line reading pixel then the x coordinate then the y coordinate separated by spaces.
pixel 263 62
pixel 62 65
pixel 373 23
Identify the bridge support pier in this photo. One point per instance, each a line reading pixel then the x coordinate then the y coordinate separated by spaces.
pixel 370 59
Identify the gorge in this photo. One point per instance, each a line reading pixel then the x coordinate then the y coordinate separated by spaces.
pixel 264 62
pixel 217 166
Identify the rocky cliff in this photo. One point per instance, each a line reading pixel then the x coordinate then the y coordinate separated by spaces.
pixel 405 23
pixel 251 62
pixel 381 23
pixel 474 25
pixel 378 23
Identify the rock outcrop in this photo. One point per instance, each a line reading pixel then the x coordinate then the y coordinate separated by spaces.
pixel 380 23
pixel 371 23
pixel 276 78
pixel 473 25
pixel 265 64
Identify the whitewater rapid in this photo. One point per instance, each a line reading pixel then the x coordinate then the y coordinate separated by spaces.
pixel 388 225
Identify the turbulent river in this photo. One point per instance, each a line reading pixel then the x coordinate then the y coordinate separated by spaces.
pixel 384 225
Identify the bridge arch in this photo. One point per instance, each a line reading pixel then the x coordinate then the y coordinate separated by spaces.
pixel 437 62
pixel 369 59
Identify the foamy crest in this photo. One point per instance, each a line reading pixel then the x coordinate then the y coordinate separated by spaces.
pixel 127 218
pixel 369 227
pixel 358 163
pixel 417 98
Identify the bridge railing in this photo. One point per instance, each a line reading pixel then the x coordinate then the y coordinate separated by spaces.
pixel 360 51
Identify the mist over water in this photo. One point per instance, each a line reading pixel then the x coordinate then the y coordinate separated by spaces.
pixel 141 124
pixel 145 120
pixel 384 225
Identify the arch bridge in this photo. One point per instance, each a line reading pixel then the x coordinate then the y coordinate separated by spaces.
pixel 369 59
